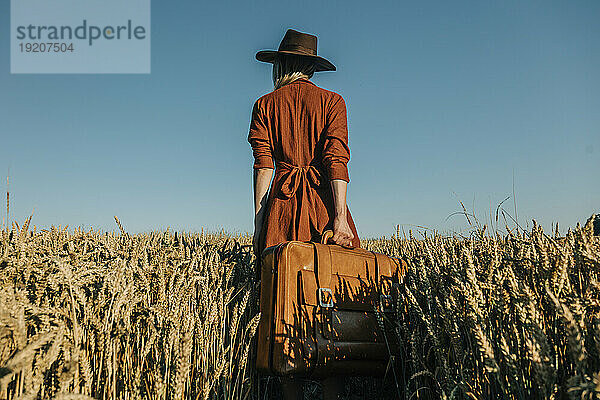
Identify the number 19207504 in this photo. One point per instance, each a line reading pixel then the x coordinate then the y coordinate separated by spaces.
pixel 46 47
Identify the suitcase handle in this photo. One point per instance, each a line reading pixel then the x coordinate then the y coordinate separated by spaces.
pixel 328 234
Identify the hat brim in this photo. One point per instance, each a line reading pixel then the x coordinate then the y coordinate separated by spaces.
pixel 270 56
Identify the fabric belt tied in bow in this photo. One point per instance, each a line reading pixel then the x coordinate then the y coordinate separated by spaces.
pixel 293 176
pixel 300 182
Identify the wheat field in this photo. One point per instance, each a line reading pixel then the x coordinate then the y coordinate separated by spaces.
pixel 169 315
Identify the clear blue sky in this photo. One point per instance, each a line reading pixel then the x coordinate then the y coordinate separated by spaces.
pixel 447 101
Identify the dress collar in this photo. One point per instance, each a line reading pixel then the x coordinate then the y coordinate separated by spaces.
pixel 303 80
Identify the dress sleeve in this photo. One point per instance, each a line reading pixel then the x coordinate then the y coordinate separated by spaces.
pixel 259 140
pixel 336 152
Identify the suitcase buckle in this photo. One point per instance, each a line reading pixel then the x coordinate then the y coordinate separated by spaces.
pixel 325 293
pixel 385 302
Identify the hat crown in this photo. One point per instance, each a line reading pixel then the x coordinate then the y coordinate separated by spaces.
pixel 299 42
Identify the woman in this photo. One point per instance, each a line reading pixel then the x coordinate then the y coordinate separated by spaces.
pixel 300 131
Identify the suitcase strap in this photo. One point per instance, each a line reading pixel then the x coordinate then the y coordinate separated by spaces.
pixel 325 346
pixel 324 268
pixel 384 269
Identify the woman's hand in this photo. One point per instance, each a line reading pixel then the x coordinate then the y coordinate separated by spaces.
pixel 255 243
pixel 262 179
pixel 258 220
pixel 342 234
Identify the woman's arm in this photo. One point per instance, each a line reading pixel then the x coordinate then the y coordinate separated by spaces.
pixel 342 234
pixel 259 139
pixel 336 155
pixel 262 179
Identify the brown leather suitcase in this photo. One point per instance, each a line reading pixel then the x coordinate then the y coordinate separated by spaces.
pixel 324 310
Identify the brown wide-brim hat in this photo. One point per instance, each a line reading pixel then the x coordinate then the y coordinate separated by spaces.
pixel 298 44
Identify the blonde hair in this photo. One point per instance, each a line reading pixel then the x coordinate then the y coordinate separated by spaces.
pixel 288 68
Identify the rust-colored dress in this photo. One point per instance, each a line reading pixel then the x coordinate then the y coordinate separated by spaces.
pixel 300 130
